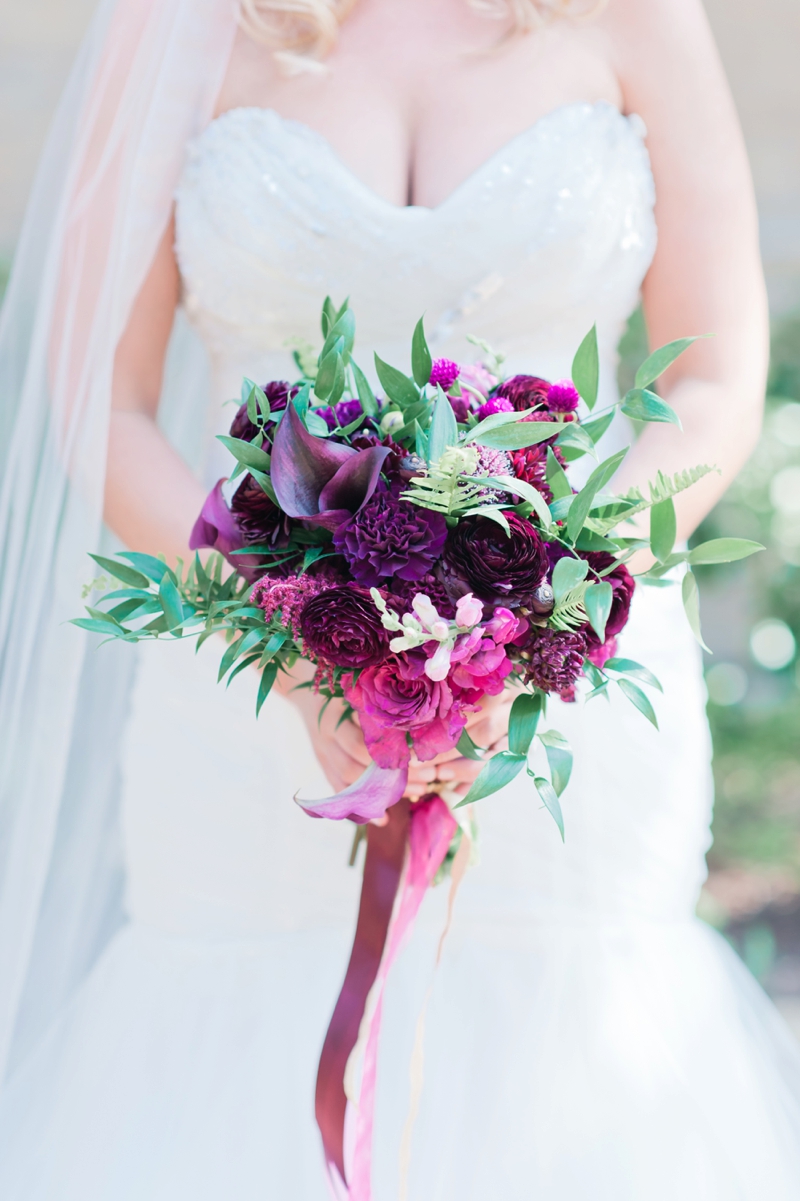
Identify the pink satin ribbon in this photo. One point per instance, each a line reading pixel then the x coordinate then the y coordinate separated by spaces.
pixel 428 827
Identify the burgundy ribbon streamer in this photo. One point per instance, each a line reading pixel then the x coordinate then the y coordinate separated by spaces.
pixel 383 868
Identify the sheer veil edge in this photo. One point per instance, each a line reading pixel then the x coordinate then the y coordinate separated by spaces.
pixel 144 83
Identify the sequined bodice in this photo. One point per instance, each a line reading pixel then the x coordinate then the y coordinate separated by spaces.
pixel 551 234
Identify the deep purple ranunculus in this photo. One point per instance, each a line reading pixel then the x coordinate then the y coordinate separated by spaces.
pixel 259 519
pixel 342 626
pixel 524 391
pixel 277 393
pixel 480 557
pixel 390 537
pixel 553 659
pixel 363 438
pixel 622 584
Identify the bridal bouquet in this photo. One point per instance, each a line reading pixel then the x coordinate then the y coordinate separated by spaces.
pixel 423 549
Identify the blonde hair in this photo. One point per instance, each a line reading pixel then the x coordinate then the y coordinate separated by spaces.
pixel 307 29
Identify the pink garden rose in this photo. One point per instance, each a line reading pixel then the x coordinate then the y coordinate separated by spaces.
pixel 398 698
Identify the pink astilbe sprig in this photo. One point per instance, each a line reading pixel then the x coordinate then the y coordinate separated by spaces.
pixel 291 595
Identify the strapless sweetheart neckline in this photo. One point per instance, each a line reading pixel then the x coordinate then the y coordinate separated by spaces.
pixel 319 143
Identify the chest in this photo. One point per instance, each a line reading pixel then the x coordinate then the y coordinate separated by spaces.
pixel 417 94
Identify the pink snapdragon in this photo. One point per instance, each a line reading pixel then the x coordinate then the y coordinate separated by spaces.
pixel 479 663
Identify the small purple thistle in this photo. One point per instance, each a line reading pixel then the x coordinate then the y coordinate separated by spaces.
pixel 444 372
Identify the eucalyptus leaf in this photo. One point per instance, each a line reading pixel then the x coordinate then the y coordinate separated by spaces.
pixel 559 758
pixel 154 569
pixel 586 368
pixel 663 529
pixel 691 604
pixel 581 506
pixel 444 429
pixel 597 601
pixel 364 389
pixel 522 722
pixel 120 571
pixel 516 435
pixel 246 453
pixel 556 476
pixel 567 574
pixel 646 406
pixel 467 748
pixel 421 360
pixel 598 425
pixel 501 769
pixel 635 695
pixel 723 550
pixel 267 680
pixel 629 667
pixel 658 362
pixel 398 387
pixel 549 798
pixel 171 603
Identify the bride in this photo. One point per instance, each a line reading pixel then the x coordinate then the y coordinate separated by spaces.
pixel 173 930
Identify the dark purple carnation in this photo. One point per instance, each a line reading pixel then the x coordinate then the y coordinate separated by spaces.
pixel 343 627
pixel 444 372
pixel 553 659
pixel 391 537
pixel 524 391
pixel 480 557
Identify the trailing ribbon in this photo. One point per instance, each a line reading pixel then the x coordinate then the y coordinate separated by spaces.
pixel 427 828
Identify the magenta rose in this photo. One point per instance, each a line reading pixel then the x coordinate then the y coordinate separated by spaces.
pixel 396 699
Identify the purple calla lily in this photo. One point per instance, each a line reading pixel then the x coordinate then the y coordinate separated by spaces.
pixel 319 480
pixel 216 526
pixel 375 790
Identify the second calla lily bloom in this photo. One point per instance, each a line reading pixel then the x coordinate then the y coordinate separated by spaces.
pixel 318 480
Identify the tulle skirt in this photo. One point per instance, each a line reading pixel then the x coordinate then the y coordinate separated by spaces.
pixel 633 1063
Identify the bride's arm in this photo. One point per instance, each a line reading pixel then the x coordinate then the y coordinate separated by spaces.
pixel 152 500
pixel 706 276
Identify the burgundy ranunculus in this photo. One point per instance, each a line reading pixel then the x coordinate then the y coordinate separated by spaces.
pixel 525 391
pixel 342 626
pixel 623 586
pixel 622 583
pixel 390 537
pixel 259 519
pixel 460 406
pixel 480 557
pixel 553 659
pixel 366 437
pixel 277 393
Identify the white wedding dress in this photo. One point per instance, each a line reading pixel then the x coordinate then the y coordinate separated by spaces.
pixel 587 1037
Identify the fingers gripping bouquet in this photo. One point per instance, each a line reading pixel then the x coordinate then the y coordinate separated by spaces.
pixel 424 549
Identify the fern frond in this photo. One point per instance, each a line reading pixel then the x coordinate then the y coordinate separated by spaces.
pixel 570 612
pixel 633 501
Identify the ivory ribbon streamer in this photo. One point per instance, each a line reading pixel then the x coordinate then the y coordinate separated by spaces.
pixel 429 826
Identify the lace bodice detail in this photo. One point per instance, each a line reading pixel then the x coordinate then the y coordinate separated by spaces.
pixel 554 232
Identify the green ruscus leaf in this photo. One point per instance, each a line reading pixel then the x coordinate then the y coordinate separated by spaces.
pixel 586 368
pixel 501 769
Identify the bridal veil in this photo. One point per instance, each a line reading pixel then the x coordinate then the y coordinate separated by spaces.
pixel 144 83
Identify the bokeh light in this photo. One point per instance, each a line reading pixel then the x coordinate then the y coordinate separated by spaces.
pixel 772 644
